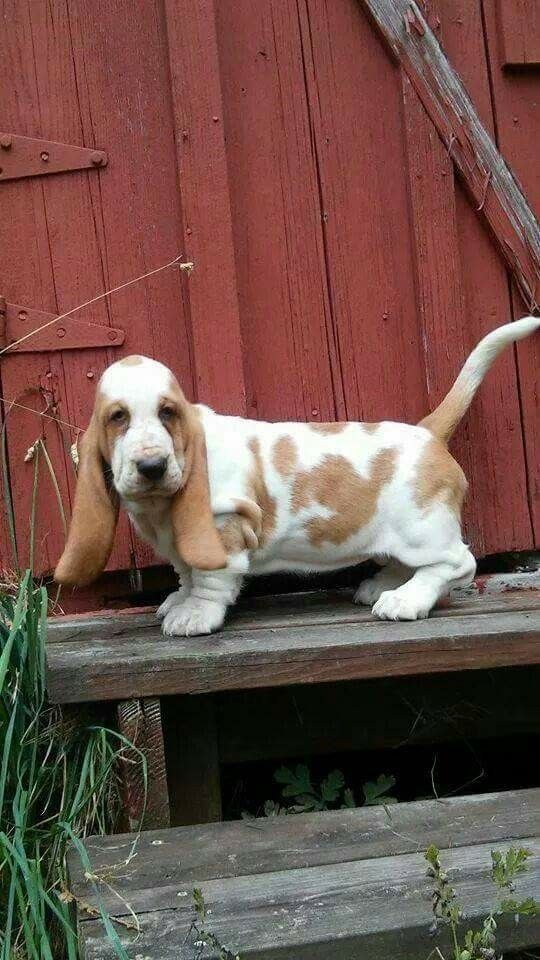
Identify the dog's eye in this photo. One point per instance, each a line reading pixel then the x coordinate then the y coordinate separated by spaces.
pixel 118 416
pixel 167 413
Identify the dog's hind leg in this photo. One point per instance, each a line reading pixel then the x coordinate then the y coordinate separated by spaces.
pixel 392 575
pixel 415 598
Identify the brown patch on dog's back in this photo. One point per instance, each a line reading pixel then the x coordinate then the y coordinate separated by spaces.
pixel 335 484
pixel 133 361
pixel 260 493
pixel 371 427
pixel 285 456
pixel 333 427
pixel 439 478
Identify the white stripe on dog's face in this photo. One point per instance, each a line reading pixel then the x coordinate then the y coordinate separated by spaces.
pixel 139 398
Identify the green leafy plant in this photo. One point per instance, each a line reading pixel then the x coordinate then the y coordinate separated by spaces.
pixel 331 793
pixel 376 792
pixel 58 783
pixel 478 944
pixel 298 786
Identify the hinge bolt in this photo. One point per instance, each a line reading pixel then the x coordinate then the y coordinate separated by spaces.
pixel 6 141
pixel 61 332
pixel 23 315
pixel 44 156
pixel 90 374
pixel 112 334
pixel 97 158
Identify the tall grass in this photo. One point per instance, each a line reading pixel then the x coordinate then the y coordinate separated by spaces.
pixel 58 784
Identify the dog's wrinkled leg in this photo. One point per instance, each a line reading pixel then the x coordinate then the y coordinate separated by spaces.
pixel 414 599
pixel 390 577
pixel 203 611
pixel 178 597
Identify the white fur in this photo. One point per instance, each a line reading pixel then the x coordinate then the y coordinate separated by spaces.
pixel 424 545
pixel 139 388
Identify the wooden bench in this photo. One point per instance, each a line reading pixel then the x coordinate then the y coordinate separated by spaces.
pixel 299 639
pixel 339 885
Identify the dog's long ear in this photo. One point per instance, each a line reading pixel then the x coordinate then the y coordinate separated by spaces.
pixel 93 521
pixel 195 534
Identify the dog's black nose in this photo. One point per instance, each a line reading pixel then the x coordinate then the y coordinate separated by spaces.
pixel 152 468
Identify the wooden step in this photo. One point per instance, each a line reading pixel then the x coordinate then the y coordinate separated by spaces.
pixel 300 638
pixel 339 885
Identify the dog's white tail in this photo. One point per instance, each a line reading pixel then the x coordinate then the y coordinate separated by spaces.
pixel 445 418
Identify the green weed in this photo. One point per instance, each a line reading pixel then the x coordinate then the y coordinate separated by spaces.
pixel 478 944
pixel 58 783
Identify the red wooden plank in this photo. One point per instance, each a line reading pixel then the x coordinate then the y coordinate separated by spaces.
pixel 519 32
pixel 70 246
pixel 515 99
pixel 8 548
pixel 124 102
pixel 289 345
pixel 497 515
pixel 203 175
pixel 102 228
pixel 27 277
pixel 355 105
pixel 438 268
pixel 483 170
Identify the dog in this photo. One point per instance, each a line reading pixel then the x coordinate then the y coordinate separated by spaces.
pixel 220 497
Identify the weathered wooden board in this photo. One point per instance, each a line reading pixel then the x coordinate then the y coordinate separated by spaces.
pixel 354 101
pixel 316 886
pixel 482 168
pixel 493 439
pixel 202 169
pixel 290 356
pixel 136 660
pixel 515 102
pixel 183 855
pixel 452 250
pixel 519 32
pixel 294 609
pixel 376 909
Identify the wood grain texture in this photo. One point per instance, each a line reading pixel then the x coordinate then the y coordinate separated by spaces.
pixel 491 429
pixel 438 272
pixel 75 234
pixel 515 103
pixel 317 885
pixel 482 168
pixel 28 276
pixel 245 847
pixel 519 32
pixel 283 610
pixel 289 342
pixel 135 661
pixel 204 180
pixel 355 112
pixel 123 99
pixel 145 790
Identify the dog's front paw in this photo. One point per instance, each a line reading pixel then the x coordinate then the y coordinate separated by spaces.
pixel 193 618
pixel 393 606
pixel 173 600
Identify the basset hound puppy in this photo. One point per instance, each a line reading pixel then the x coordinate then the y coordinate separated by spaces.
pixel 220 497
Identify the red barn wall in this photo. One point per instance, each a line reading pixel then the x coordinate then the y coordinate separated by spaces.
pixel 340 271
